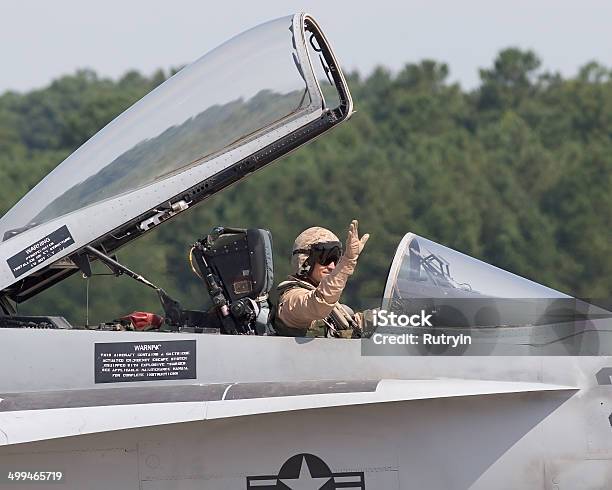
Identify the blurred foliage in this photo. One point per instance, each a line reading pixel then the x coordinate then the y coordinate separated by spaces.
pixel 517 172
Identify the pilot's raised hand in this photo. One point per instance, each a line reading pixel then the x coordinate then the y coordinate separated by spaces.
pixel 328 292
pixel 354 245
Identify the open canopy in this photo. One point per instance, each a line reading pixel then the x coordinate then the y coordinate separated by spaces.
pixel 237 108
pixel 247 84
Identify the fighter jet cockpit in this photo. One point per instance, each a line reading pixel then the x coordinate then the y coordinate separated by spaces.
pixel 236 109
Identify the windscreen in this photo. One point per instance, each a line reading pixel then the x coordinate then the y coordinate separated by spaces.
pixel 426 268
pixel 464 291
pixel 228 96
pixel 438 301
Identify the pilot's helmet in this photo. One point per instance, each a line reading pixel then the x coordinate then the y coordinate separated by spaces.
pixel 314 244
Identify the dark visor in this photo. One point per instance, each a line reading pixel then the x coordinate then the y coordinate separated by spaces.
pixel 323 253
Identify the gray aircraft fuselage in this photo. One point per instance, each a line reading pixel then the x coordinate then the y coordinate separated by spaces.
pixel 404 422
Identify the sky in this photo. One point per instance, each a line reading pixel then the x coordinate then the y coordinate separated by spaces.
pixel 40 41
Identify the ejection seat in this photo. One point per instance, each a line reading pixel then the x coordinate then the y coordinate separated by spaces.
pixel 237 270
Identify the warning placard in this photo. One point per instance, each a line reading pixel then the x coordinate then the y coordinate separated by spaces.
pixel 39 252
pixel 117 362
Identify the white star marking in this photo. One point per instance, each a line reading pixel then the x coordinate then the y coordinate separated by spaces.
pixel 305 480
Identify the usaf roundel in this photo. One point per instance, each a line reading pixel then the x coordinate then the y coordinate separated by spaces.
pixel 307 472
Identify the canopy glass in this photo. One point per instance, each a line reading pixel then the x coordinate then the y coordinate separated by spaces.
pixel 463 291
pixel 245 86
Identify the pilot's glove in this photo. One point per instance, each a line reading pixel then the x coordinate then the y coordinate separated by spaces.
pixel 354 245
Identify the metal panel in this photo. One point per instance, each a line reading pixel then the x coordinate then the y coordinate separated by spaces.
pixel 568 474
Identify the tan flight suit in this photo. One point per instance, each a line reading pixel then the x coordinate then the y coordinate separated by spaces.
pixel 306 310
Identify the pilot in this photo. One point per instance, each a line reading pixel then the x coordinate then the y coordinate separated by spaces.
pixel 308 303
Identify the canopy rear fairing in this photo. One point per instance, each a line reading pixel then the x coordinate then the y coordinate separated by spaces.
pixel 241 106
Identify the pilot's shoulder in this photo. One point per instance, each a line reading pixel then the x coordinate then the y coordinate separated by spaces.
pixel 290 291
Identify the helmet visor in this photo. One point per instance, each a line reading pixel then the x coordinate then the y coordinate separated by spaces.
pixel 326 252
